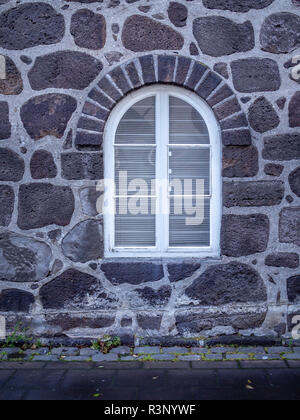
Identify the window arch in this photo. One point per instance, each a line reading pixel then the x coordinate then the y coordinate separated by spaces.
pixel 162 158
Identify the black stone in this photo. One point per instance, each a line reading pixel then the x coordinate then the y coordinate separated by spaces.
pixel 240 162
pixel 5 126
pixel 13 83
pixel 273 169
pixel 42 165
pixel 178 14
pixel 147 322
pixel 14 300
pixel 179 272
pixel 88 29
pixel 289 225
pixel 262 116
pixel 132 273
pixel 282 147
pixel 237 138
pixel 7 200
pixel 294 110
pixel 282 259
pixel 294 181
pixel 155 298
pixel 76 166
pixel 251 194
pixel 222 69
pixel 293 289
pixel 241 6
pixel 11 166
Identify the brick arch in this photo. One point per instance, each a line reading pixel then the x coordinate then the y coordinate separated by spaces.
pixel 150 69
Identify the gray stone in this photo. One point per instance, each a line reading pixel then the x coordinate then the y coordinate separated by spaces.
pixel 177 350
pixel 148 322
pixel 273 169
pixel 178 14
pixel 229 283
pixel 13 83
pixel 89 197
pixel 162 357
pixel 14 300
pixel 82 166
pixel 294 110
pixel 255 75
pixel 52 113
pixel 280 33
pixel 141 33
pixel 179 272
pixel 283 259
pixel 7 200
pixel 84 242
pixel 241 6
pixel 289 225
pixel 23 259
pixel 132 273
pixel 43 204
pixel 255 193
pixel 282 147
pixel 237 138
pixel 12 166
pixel 213 357
pixel 262 116
pixel 42 165
pixel 105 357
pixel 33 24
pixel 293 289
pixel 155 298
pixel 147 350
pixel 240 162
pixel 230 37
pixel 244 235
pixel 237 356
pixel 64 70
pixel 121 351
pixel 190 358
pixel 222 69
pixel 294 181
pixel 88 29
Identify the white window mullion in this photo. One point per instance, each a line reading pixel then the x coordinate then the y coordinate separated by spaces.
pixel 164 176
pixel 159 170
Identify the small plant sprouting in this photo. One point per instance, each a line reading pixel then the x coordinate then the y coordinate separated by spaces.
pixel 106 344
pixel 18 336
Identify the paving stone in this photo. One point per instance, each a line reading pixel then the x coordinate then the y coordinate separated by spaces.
pixel 105 358
pixel 87 352
pixel 279 350
pixel 241 6
pixel 237 356
pixel 162 357
pixel 45 358
pixel 292 356
pixel 147 350
pixel 222 349
pixel 178 350
pixel 190 357
pixel 256 350
pixel 213 357
pixel 123 350
pixel 130 358
pixel 76 359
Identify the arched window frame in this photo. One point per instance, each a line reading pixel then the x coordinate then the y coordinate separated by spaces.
pixel 111 127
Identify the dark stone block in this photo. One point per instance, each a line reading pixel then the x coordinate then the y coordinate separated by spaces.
pixel 238 121
pixel 88 124
pixel 148 71
pixel 89 198
pixel 120 80
pixel 133 75
pixel 83 139
pixel 52 113
pixel 13 83
pixel 289 225
pixel 183 66
pixel 293 289
pixel 179 272
pixel 77 166
pixel 11 166
pixel 230 37
pixel 208 85
pixel 42 165
pixel 178 14
pixel 282 147
pixel 88 29
pixel 109 89
pixel 244 235
pixel 283 259
pixel 220 95
pixel 43 205
pixel 155 298
pixel 103 100
pixel 281 102
pixel 14 300
pixel 228 283
pixel 255 75
pixel 68 322
pixel 222 69
pixel 166 68
pixel 5 126
pixel 141 33
pixel 132 273
pixel 64 70
pixel 84 242
pixel 7 200
pixel 256 193
pixel 29 25
pixel 273 170
pixel 241 6
pixel 95 111
pixel 227 109
pixel 196 75
pixel 294 110
pixel 193 49
pixel 294 181
pixel 147 322
pixel 23 259
pixel 262 116
pixel 237 138
pixel 240 162
pixel 280 33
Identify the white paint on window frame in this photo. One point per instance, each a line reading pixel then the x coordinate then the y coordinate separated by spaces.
pixel 162 132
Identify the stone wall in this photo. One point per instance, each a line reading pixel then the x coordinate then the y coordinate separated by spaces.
pixel 68 63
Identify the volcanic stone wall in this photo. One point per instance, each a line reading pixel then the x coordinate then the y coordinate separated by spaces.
pixel 67 65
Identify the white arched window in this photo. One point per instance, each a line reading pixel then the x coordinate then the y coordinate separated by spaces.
pixel 162 156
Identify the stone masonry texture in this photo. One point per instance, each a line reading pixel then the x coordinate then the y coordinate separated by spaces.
pixel 67 64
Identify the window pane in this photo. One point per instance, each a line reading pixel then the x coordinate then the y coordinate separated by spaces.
pixel 189 222
pixel 186 124
pixel 138 124
pixel 190 167
pixel 134 222
pixel 136 167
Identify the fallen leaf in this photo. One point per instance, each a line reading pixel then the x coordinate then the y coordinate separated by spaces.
pixel 155 377
pixel 249 387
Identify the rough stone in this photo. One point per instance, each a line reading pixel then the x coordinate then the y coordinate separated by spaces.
pixel 13 83
pixel 194 49
pixel 293 289
pixel 64 70
pixel 294 110
pixel 182 271
pixel 132 273
pixel 256 193
pixel 237 138
pixel 29 25
pixel 282 147
pixel 42 204
pixel 228 283
pixel 222 69
pixel 294 181
pixel 14 300
pixel 84 242
pixel 42 165
pixel 82 166
pixel 5 126
pixel 273 169
pixel 282 259
pixel 89 198
pixel 289 225
pixel 88 29
pixel 7 200
pixel 230 37
pixel 155 298
pixel 178 14
pixel 280 33
pixel 244 235
pixel 75 289
pixel 240 161
pixel 255 75
pixel 52 113
pixel 23 259
pixel 262 116
pixel 66 322
pixel 11 166
pixel 147 322
pixel 241 6
pixel 141 33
